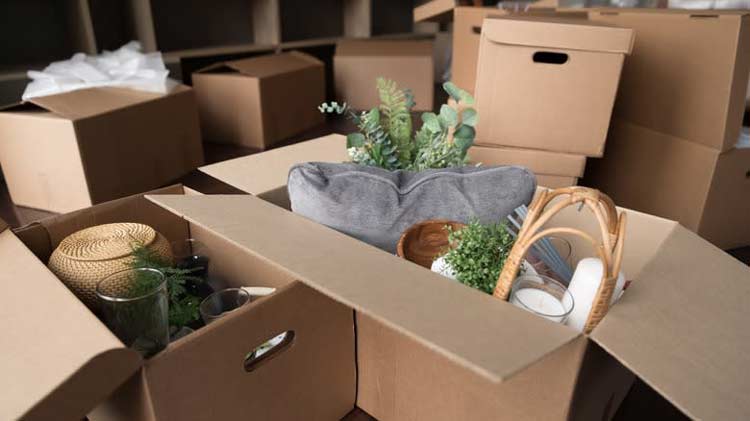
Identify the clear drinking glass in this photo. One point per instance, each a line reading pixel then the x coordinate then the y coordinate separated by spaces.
pixel 135 306
pixel 220 303
pixel 542 296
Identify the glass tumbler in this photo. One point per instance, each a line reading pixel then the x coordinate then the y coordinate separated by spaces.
pixel 220 303
pixel 134 304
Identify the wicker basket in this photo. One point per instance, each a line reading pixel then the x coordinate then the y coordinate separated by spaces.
pixel 425 241
pixel 85 257
pixel 609 249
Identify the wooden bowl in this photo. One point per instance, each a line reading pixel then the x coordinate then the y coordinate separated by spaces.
pixel 425 241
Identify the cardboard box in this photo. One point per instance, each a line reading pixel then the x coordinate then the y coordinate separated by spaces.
pixel 434 10
pixel 687 74
pixel 69 151
pixel 59 361
pixel 704 189
pixel 277 95
pixel 548 83
pixel 540 162
pixel 357 64
pixel 555 181
pixel 467 27
pixel 461 354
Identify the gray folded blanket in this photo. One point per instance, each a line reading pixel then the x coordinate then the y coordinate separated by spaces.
pixel 377 205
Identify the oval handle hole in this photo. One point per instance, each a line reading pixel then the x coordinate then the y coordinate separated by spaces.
pixel 747 174
pixel 476 29
pixel 550 57
pixel 269 350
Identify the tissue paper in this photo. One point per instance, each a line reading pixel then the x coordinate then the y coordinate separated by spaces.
pixel 126 67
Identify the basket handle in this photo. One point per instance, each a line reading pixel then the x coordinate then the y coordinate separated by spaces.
pixel 609 249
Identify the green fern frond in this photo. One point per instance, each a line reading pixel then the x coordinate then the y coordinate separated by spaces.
pixel 395 105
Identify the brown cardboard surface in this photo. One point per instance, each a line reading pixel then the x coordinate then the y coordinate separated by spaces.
pixel 259 101
pixel 555 181
pixel 687 75
pixel 401 379
pixel 104 144
pixel 703 189
pixel 312 379
pixel 682 325
pixel 357 64
pixel 371 282
pixel 262 173
pixel 54 350
pixel 559 107
pixel 538 161
pixel 559 32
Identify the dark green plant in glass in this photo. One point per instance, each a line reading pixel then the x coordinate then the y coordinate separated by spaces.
pixel 183 306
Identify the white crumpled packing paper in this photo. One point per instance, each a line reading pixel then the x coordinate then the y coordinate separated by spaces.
pixel 126 67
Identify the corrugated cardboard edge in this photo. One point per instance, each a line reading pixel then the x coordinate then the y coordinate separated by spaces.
pixel 435 10
pixel 311 266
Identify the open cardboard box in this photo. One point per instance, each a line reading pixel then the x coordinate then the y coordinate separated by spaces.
pixel 60 362
pixel 68 151
pixel 430 348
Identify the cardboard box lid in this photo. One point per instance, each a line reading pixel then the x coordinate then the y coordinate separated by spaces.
pixel 58 360
pixel 267 65
pixel 270 169
pixel 683 328
pixel 86 103
pixel 538 161
pixel 558 32
pixel 373 282
pixel 360 48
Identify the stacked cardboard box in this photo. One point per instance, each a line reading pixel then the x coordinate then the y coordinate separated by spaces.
pixel 545 88
pixel 671 149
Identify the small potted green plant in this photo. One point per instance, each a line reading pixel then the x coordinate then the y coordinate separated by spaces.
pixel 385 137
pixel 476 254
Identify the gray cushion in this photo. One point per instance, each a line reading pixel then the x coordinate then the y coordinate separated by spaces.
pixel 377 206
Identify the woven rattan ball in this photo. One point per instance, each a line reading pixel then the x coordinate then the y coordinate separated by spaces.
pixel 85 257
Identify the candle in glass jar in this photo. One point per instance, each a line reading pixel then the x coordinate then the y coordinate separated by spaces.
pixel 539 302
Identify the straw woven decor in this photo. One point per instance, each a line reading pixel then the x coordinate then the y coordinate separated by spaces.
pixel 608 246
pixel 85 257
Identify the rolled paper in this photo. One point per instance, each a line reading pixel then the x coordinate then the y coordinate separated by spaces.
pixel 586 280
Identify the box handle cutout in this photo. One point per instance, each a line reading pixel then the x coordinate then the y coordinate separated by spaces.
pixel 550 57
pixel 703 16
pixel 476 29
pixel 269 350
pixel 747 175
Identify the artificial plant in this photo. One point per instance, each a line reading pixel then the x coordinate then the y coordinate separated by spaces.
pixel 478 253
pixel 385 136
pixel 183 306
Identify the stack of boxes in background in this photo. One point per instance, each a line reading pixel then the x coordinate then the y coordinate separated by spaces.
pixel 545 88
pixel 672 145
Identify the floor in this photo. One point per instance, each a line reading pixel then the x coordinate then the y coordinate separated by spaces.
pixel 641 402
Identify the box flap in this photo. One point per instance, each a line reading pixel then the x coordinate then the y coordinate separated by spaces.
pixel 489 337
pixel 558 32
pixel 683 328
pixel 359 48
pixel 435 10
pixel 270 169
pixel 90 102
pixel 267 65
pixel 58 360
pixel 538 161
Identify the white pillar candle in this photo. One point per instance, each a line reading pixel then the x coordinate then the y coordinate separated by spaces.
pixel 583 287
pixel 442 267
pixel 540 302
